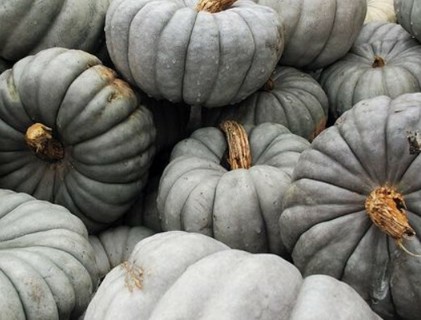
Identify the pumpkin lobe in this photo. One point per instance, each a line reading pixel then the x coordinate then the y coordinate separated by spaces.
pixel 378 62
pixel 239 154
pixel 134 276
pixel 214 6
pixel 385 207
pixel 40 140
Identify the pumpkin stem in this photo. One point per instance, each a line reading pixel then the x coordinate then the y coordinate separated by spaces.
pixel 385 207
pixel 40 140
pixel 239 155
pixel 268 86
pixel 214 6
pixel 378 62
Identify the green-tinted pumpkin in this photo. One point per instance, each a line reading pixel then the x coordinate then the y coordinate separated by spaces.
pixel 329 223
pixel 102 137
pixel 180 275
pixel 408 13
pixel 290 97
pixel 384 60
pixel 29 26
pixel 175 51
pixel 239 207
pixel 47 265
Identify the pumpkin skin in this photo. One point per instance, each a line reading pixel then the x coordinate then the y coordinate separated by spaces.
pixel 38 24
pixel 239 207
pixel 318 32
pixel 114 245
pixel 207 280
pixel 384 60
pixel 48 268
pixel 201 58
pixel 408 13
pixel 325 223
pixel 292 98
pixel 106 135
pixel 380 10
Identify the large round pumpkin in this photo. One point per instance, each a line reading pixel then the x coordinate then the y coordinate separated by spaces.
pixel 318 32
pixel 180 275
pixel 74 134
pixel 210 53
pixel 47 265
pixel 408 13
pixel 29 26
pixel 353 209
pixel 290 97
pixel 384 60
pixel 238 203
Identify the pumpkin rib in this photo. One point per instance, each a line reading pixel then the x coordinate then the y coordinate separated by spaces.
pixel 17 291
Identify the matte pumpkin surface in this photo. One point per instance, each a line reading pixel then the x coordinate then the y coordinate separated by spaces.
pixel 384 60
pixel 29 26
pixel 380 10
pixel 47 268
pixel 290 97
pixel 408 13
pixel 240 207
pixel 101 139
pixel 317 32
pixel 208 280
pixel 176 51
pixel 329 223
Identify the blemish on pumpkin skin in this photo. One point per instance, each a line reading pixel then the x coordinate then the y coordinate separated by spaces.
pixel 133 277
pixel 319 128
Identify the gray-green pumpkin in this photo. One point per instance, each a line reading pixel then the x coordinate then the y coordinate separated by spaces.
pixel 318 32
pixel 238 202
pixel 408 14
pixel 353 209
pixel 47 265
pixel 384 60
pixel 290 97
pixel 209 53
pixel 74 134
pixel 29 26
pixel 179 275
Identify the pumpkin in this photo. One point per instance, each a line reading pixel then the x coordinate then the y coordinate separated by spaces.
pixel 209 53
pixel 290 97
pixel 384 60
pixel 380 10
pixel 47 264
pixel 208 280
pixel 114 245
pixel 408 13
pixel 238 203
pixel 353 209
pixel 317 32
pixel 29 26
pixel 74 134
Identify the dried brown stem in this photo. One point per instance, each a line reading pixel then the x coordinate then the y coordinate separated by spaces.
pixel 214 6
pixel 40 140
pixel 239 155
pixel 378 62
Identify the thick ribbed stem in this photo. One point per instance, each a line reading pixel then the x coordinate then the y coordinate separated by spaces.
pixel 239 154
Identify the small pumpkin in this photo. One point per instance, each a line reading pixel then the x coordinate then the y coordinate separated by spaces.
pixel 353 209
pixel 47 264
pixel 29 26
pixel 208 280
pixel 384 60
pixel 75 134
pixel 236 200
pixel 380 10
pixel 408 15
pixel 317 32
pixel 290 97
pixel 114 245
pixel 207 52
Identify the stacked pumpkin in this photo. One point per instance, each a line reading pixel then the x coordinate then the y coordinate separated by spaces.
pixel 205 122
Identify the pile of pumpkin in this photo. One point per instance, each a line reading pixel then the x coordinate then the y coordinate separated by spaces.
pixel 211 159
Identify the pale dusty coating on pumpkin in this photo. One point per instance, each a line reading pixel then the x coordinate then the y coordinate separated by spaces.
pixel 214 6
pixel 385 207
pixel 40 140
pixel 239 155
pixel 134 275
